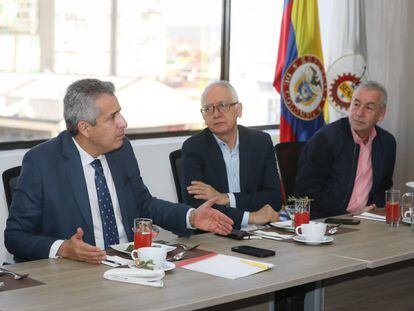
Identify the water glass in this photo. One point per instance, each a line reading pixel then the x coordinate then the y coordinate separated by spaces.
pixel 392 207
pixel 142 232
pixel 302 212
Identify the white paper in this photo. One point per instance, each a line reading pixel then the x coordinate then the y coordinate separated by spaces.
pixel 229 267
pixel 370 216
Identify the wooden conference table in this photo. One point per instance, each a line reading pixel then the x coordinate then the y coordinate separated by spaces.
pixel 342 266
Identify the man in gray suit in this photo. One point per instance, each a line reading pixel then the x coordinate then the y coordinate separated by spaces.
pixel 80 191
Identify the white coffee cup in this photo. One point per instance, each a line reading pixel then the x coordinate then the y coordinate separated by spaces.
pixel 158 255
pixel 408 214
pixel 313 231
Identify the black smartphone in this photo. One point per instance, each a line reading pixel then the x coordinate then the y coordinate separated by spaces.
pixel 236 234
pixel 342 221
pixel 253 251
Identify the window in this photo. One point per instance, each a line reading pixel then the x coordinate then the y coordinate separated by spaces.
pixel 160 54
pixel 253 51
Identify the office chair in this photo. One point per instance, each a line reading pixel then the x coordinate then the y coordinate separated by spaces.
pixel 10 179
pixel 288 155
pixel 175 161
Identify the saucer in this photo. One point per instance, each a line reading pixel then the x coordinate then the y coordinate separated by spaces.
pixel 325 239
pixel 124 246
pixel 407 220
pixel 167 265
pixel 410 184
pixel 286 224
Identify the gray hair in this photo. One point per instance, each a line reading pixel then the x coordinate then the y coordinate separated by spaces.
pixel 373 85
pixel 79 102
pixel 220 83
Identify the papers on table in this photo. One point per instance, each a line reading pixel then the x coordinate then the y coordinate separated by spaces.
pixel 229 267
pixel 371 216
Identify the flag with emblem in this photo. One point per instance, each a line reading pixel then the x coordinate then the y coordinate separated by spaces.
pixel 347 55
pixel 300 75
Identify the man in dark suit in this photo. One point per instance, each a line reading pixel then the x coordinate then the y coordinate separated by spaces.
pixel 231 162
pixel 80 191
pixel 347 165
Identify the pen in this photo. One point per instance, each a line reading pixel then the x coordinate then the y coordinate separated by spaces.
pixel 111 261
pixel 255 264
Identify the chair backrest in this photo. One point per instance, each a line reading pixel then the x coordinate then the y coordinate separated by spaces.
pixel 288 155
pixel 10 178
pixel 175 161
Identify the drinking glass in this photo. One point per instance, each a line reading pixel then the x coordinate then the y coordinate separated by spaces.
pixel 142 232
pixel 392 207
pixel 407 208
pixel 302 212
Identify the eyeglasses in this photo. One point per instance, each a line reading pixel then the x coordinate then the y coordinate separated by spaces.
pixel 221 106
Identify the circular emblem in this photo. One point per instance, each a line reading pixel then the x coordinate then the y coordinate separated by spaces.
pixel 304 87
pixel 344 75
pixel 342 89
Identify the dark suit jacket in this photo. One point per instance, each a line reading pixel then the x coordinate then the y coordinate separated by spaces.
pixel 51 199
pixel 259 180
pixel 328 165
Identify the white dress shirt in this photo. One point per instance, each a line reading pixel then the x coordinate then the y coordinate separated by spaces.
pixel 232 160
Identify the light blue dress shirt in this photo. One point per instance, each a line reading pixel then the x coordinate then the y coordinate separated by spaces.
pixel 232 161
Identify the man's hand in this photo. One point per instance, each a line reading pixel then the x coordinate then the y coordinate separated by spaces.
pixel 365 209
pixel 202 191
pixel 264 215
pixel 207 218
pixel 76 249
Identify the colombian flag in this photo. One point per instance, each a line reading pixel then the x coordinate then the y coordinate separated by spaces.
pixel 300 41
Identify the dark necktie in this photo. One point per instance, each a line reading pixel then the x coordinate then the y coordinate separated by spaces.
pixel 109 228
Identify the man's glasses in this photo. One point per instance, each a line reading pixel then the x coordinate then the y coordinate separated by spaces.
pixel 221 106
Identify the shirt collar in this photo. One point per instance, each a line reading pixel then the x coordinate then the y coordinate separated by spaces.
pixel 222 143
pixel 360 141
pixel 85 157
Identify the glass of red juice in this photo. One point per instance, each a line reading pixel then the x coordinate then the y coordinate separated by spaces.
pixel 392 207
pixel 142 232
pixel 302 212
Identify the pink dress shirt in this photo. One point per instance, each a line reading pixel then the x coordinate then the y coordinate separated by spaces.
pixel 363 178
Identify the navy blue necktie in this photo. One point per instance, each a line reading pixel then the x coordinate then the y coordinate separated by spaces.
pixel 110 230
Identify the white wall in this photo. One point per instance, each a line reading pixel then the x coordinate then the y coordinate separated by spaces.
pixel 152 155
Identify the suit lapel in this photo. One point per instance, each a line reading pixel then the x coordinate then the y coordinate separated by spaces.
pixel 245 157
pixel 121 180
pixel 76 180
pixel 217 161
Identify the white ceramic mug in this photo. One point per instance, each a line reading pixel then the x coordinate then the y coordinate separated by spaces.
pixel 157 254
pixel 313 231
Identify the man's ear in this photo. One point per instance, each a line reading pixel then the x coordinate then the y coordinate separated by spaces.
pixel 239 110
pixel 83 128
pixel 382 114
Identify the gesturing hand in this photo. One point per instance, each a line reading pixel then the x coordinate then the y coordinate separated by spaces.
pixel 75 248
pixel 202 191
pixel 207 218
pixel 264 215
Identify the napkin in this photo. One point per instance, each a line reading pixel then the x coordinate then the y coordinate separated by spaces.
pixel 371 216
pixel 136 276
pixel 272 235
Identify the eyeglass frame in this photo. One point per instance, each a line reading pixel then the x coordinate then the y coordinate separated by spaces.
pixel 224 105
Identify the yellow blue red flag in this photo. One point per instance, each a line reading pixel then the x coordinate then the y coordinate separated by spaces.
pixel 300 75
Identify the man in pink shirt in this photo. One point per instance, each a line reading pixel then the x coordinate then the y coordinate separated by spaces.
pixel 347 165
